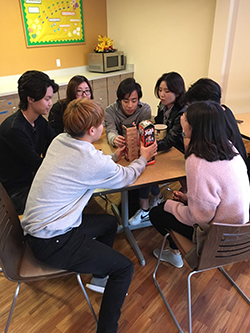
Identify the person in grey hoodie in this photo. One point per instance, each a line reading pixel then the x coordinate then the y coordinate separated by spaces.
pixel 128 109
pixel 58 232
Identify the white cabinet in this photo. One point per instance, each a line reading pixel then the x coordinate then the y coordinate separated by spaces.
pixel 8 105
pixel 113 83
pixel 125 76
pixel 99 87
pixel 61 92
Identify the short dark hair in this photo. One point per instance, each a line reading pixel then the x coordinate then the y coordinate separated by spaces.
pixel 209 139
pixel 34 84
pixel 73 85
pixel 175 84
pixel 80 115
pixel 203 90
pixel 127 86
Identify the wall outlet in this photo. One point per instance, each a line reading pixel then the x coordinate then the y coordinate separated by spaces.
pixel 58 62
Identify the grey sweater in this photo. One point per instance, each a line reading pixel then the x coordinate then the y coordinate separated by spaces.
pixel 63 185
pixel 115 118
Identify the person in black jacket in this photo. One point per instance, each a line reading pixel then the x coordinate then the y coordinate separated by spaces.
pixel 78 87
pixel 170 89
pixel 206 89
pixel 25 136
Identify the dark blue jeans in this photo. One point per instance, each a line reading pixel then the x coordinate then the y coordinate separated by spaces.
pixel 144 192
pixel 77 251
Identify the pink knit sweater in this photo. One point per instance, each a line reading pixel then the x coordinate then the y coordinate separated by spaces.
pixel 217 191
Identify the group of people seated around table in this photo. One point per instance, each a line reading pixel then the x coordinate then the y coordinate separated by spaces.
pixel 50 170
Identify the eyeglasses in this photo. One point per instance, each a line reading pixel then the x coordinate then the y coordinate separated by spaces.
pixel 82 92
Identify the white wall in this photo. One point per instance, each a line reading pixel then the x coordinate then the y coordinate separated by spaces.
pixel 230 53
pixel 238 85
pixel 161 36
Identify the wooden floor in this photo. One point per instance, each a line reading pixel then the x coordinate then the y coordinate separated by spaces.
pixel 59 305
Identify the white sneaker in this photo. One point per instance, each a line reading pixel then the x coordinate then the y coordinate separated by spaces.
pixel 140 216
pixel 169 256
pixel 155 202
pixel 98 284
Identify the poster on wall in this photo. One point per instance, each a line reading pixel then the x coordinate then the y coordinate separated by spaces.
pixel 52 22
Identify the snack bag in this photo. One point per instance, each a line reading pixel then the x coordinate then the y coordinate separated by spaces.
pixel 147 135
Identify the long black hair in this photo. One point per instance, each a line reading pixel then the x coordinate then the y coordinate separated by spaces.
pixel 209 139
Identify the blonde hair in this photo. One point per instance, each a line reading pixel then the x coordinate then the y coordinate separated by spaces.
pixel 81 115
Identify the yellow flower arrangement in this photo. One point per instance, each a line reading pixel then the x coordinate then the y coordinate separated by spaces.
pixel 105 44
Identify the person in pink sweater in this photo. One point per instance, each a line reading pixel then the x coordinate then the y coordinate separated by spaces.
pixel 217 180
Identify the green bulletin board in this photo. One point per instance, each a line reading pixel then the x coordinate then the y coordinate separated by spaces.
pixel 52 22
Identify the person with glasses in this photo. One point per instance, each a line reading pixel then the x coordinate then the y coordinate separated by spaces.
pixel 78 87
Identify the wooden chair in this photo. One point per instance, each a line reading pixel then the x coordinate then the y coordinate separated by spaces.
pixel 16 258
pixel 224 244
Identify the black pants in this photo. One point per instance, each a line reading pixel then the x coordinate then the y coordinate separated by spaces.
pixel 162 220
pixel 77 251
pixel 19 199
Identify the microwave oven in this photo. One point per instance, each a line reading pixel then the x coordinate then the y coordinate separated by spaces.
pixel 106 62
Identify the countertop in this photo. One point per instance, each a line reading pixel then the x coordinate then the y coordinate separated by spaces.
pixel 8 84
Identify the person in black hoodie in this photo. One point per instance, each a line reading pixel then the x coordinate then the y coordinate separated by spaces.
pixel 206 89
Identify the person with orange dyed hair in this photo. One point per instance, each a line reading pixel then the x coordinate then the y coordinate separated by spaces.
pixel 58 232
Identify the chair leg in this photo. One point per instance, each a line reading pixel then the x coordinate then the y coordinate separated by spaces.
pixel 159 289
pixel 87 297
pixel 243 295
pixel 12 307
pixel 189 300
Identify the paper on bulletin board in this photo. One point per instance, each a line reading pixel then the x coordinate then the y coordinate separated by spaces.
pixel 52 22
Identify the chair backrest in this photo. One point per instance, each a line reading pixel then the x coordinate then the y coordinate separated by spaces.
pixel 16 258
pixel 225 244
pixel 12 242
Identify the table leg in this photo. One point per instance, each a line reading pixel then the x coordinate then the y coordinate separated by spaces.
pixel 127 231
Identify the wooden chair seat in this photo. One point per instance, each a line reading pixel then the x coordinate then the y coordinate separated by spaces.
pixel 32 268
pixel 17 261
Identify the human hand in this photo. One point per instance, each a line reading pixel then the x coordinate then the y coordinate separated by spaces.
pixel 179 196
pixel 120 152
pixel 148 152
pixel 119 141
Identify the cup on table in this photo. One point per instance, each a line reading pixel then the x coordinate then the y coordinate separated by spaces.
pixel 160 131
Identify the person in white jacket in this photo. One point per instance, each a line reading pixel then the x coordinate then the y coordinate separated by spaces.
pixel 58 232
pixel 217 180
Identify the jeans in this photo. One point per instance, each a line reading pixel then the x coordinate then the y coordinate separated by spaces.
pixel 162 220
pixel 88 249
pixel 145 191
